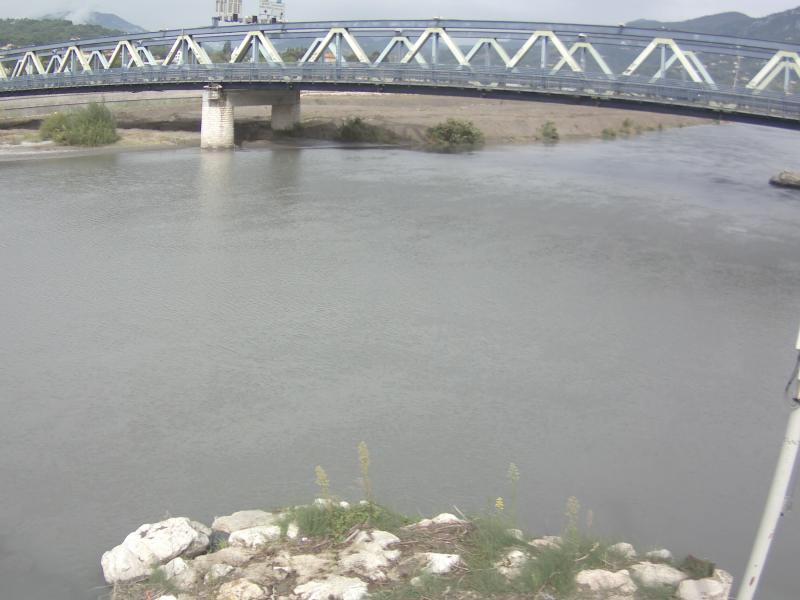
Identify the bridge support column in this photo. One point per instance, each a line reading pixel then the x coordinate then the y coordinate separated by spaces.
pixel 286 111
pixel 216 129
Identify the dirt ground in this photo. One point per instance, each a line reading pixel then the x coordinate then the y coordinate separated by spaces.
pixel 173 118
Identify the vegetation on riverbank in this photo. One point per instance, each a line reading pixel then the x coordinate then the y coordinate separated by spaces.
pixel 30 32
pixel 90 126
pixel 454 135
pixel 332 549
pixel 356 130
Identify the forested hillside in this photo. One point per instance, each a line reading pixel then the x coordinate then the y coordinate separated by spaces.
pixel 27 32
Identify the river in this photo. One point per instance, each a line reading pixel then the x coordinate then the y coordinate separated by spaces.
pixel 187 333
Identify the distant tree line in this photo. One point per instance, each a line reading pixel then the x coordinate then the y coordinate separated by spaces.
pixel 31 32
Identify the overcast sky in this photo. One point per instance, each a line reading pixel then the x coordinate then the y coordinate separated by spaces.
pixel 156 14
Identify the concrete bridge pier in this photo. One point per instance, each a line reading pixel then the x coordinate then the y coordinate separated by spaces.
pixel 217 131
pixel 216 126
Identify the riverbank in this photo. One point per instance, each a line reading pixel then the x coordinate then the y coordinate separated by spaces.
pixel 169 119
pixel 334 551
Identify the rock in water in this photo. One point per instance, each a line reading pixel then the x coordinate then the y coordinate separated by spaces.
pixel 153 545
pixel 717 587
pixel 786 179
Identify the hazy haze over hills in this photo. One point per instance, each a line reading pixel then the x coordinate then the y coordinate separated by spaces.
pixel 780 27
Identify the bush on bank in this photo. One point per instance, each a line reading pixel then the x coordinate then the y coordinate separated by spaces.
pixel 454 135
pixel 90 126
pixel 357 130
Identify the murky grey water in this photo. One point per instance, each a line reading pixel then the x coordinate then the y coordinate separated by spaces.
pixel 192 333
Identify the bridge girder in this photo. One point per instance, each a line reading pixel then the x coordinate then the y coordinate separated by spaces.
pixel 260 45
pixel 184 47
pixel 585 48
pixel 487 56
pixel 664 44
pixel 783 62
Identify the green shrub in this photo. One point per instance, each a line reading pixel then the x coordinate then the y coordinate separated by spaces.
pixel 454 135
pixel 356 130
pixel 608 134
pixel 549 132
pixel 90 126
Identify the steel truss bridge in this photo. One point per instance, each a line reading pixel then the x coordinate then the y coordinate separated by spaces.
pixel 706 75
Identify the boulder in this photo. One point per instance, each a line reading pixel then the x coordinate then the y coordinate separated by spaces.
pixel 181 574
pixel 786 179
pixel 512 563
pixel 438 564
pixel 657 575
pixel 292 531
pixel 218 571
pixel 368 555
pixel 244 519
pixel 442 519
pixel 624 550
pixel 605 585
pixel 233 556
pixel 154 545
pixel 662 555
pixel 241 589
pixel 516 533
pixel 717 587
pixel 333 587
pixel 255 538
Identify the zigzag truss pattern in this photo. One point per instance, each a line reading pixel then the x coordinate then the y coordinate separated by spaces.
pixel 339 46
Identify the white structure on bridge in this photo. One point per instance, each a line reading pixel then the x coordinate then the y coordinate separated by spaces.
pixel 272 11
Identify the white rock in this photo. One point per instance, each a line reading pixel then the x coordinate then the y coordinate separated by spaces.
pixel 717 587
pixel 624 550
pixel 511 565
pixel 333 587
pixel 656 575
pixel 309 566
pixel 292 531
pixel 442 519
pixel 516 533
pixel 439 564
pixel 368 555
pixel 180 573
pixel 236 557
pixel 244 519
pixel 218 571
pixel 344 505
pixel 664 555
pixel 605 585
pixel 241 589
pixel 255 537
pixel 154 545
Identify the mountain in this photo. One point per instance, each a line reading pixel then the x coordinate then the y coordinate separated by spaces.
pixel 90 17
pixel 32 32
pixel 780 27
